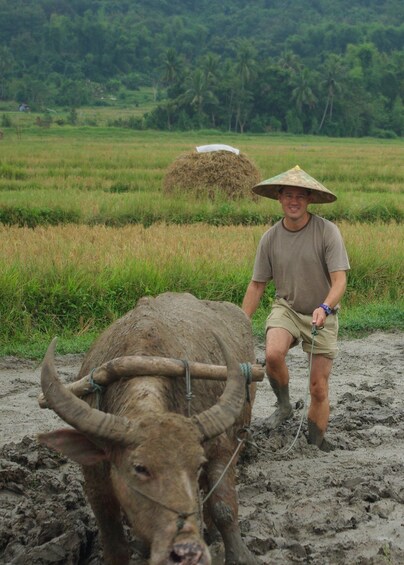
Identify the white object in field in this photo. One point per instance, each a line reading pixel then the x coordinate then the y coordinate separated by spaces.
pixel 217 147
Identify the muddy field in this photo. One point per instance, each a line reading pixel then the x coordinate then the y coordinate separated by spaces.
pixel 304 506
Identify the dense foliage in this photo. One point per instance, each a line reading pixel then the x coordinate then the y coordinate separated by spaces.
pixel 302 66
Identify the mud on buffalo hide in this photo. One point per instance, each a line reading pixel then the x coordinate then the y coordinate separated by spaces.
pixel 174 325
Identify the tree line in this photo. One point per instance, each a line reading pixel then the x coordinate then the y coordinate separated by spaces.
pixel 355 94
pixel 302 66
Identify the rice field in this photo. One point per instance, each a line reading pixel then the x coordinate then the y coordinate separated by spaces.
pixel 86 229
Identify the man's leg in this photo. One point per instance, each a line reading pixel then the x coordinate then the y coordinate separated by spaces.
pixel 278 342
pixel 319 411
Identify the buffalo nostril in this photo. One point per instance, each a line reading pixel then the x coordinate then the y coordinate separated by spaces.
pixel 187 554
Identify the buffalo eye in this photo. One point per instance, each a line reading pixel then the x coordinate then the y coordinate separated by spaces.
pixel 142 471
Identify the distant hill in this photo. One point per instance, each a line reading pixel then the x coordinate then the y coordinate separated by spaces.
pixel 74 52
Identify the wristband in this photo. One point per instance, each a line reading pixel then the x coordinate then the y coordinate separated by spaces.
pixel 326 309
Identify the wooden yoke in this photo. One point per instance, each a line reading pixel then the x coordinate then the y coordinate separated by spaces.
pixel 136 365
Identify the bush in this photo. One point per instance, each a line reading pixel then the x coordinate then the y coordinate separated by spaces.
pixel 6 121
pixel 275 124
pixel 12 173
pixel 33 217
pixel 119 187
pixel 133 122
pixel 383 133
pixel 258 125
pixel 44 122
pixel 293 123
pixel 72 118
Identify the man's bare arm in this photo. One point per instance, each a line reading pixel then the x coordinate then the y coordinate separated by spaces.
pixel 252 297
pixel 336 292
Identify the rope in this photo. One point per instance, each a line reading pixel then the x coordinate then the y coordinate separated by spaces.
pixel 212 490
pixel 246 371
pixel 199 501
pixel 188 394
pixel 314 332
pixel 95 387
pixel 182 516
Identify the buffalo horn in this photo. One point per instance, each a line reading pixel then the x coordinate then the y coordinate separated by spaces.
pixel 223 414
pixel 76 412
pixel 132 366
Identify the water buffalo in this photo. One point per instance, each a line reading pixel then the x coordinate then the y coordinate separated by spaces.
pixel 141 449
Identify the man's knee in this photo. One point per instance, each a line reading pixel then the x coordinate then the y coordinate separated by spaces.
pixel 274 358
pixel 319 391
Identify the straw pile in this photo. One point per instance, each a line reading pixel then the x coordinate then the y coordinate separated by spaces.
pixel 212 174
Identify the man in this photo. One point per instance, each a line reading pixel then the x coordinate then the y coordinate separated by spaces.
pixel 305 256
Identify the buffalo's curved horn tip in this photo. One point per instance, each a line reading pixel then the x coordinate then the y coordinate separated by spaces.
pixel 76 412
pixel 223 414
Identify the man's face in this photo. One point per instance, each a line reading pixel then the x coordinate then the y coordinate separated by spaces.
pixel 294 202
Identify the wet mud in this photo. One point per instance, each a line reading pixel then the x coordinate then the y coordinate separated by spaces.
pixel 297 504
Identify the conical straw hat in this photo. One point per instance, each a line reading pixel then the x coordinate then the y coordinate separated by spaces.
pixel 295 177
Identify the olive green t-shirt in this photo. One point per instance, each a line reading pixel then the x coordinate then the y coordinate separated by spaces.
pixel 300 262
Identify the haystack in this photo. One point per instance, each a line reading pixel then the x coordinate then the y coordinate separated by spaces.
pixel 212 174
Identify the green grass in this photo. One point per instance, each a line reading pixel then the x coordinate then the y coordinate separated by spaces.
pixel 72 281
pixel 354 322
pixel 88 199
pixel 115 176
pixel 110 109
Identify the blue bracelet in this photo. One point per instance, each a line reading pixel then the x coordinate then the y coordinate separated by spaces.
pixel 326 309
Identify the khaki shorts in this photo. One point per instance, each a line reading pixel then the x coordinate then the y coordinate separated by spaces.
pixel 299 326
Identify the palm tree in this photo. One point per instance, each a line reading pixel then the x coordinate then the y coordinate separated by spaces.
pixel 198 93
pixel 302 92
pixel 289 61
pixel 171 66
pixel 245 61
pixel 6 64
pixel 210 66
pixel 245 71
pixel 334 72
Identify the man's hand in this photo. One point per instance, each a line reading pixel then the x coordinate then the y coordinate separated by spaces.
pixel 319 317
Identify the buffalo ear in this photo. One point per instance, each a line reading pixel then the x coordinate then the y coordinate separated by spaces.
pixel 74 445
